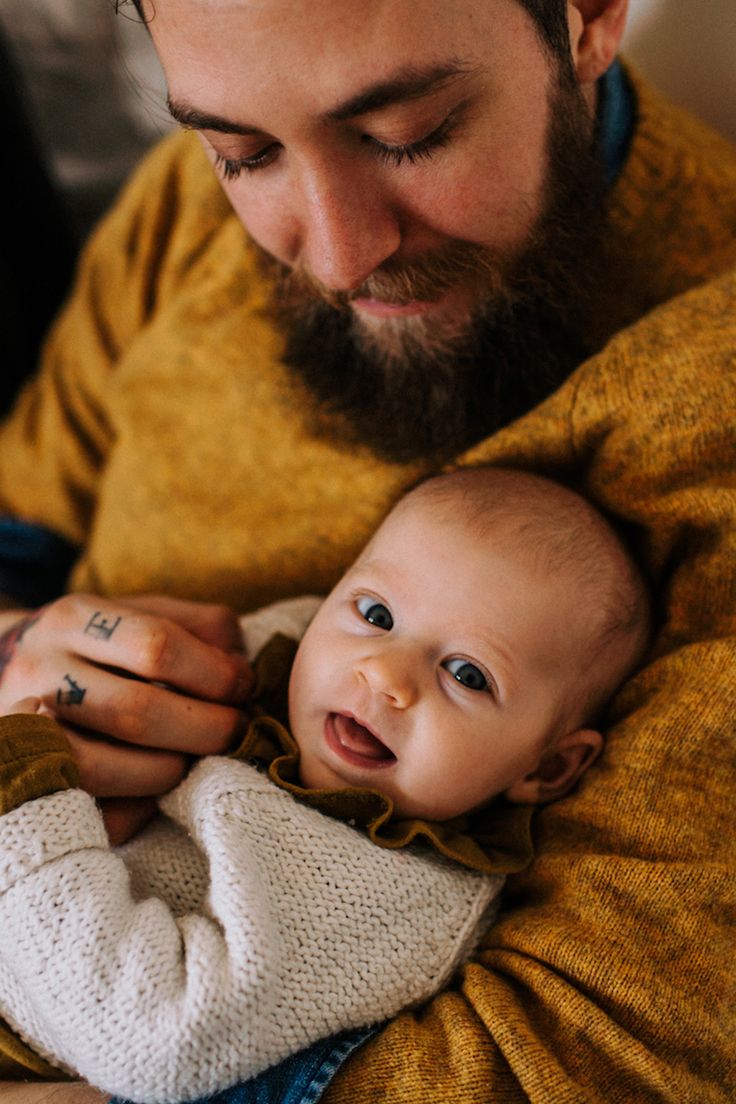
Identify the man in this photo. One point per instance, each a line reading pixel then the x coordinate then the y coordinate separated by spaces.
pixel 449 208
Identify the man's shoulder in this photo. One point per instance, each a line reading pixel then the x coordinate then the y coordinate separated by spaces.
pixel 680 167
pixel 663 124
pixel 678 189
pixel 672 215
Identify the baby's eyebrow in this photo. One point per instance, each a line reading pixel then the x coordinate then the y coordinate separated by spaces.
pixel 499 657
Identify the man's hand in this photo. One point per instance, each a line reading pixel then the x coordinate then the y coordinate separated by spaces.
pixel 139 685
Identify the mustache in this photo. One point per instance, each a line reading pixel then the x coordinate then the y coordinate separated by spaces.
pixel 425 279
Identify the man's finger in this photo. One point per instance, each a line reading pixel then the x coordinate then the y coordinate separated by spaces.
pixel 141 713
pixel 213 624
pixel 152 647
pixel 108 769
pixel 125 816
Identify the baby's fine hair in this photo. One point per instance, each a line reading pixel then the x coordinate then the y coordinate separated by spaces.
pixel 560 533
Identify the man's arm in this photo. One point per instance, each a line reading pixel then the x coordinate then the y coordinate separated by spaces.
pixel 77 656
pixel 609 976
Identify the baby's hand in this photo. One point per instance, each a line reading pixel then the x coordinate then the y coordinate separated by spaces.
pixel 25 705
pixel 123 816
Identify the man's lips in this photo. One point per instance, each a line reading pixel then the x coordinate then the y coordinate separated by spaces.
pixel 355 743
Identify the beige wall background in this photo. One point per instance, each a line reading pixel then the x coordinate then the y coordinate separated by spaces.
pixel 688 49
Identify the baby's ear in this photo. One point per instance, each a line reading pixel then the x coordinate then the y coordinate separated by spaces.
pixel 558 769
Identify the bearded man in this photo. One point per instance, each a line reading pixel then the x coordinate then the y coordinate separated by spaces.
pixel 451 233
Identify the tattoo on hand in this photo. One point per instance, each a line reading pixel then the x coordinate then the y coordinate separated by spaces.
pixel 10 640
pixel 73 695
pixel 99 627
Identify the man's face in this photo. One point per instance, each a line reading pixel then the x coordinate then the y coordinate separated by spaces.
pixel 395 156
pixel 437 670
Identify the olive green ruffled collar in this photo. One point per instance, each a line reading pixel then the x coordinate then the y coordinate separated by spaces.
pixel 494 840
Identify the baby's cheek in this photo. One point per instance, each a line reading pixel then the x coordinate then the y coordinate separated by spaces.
pixel 298 695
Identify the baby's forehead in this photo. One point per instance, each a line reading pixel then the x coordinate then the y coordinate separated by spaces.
pixel 573 562
pixel 511 512
pixel 484 525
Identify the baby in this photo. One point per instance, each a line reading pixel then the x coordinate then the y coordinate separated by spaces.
pixel 468 650
pixel 464 657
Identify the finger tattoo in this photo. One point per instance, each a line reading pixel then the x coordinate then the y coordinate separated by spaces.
pixel 99 627
pixel 73 694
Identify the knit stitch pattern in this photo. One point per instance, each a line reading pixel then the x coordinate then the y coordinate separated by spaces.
pixel 306 928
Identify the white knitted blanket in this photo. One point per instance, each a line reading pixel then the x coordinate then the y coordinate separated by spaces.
pixel 237 929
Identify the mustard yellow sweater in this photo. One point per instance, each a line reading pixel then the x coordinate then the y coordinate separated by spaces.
pixel 165 438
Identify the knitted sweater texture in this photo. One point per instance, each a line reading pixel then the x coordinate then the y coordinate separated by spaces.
pixel 610 975
pixel 236 932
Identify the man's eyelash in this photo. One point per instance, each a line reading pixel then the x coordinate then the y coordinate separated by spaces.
pixel 390 155
pixel 415 151
pixel 230 170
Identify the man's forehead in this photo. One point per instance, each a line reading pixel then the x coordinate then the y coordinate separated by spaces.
pixel 347 42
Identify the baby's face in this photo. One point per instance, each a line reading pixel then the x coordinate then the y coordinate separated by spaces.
pixel 435 671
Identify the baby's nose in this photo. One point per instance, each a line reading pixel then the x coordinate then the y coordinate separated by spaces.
pixel 390 675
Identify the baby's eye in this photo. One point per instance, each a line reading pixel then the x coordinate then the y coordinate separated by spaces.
pixel 467 674
pixel 375 613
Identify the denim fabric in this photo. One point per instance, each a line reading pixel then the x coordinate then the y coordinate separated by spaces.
pixel 299 1079
pixel 34 562
pixel 616 119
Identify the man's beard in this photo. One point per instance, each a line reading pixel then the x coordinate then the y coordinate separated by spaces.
pixel 425 388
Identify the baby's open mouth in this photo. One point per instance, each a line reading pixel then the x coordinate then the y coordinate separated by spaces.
pixel 356 743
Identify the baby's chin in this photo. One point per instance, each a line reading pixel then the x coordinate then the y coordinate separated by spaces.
pixel 315 775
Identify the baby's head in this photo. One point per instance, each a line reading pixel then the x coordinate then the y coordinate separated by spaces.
pixel 470 648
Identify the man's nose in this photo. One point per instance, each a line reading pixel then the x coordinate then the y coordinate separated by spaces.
pixel 390 675
pixel 348 228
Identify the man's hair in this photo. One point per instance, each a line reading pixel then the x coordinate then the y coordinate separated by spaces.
pixel 550 19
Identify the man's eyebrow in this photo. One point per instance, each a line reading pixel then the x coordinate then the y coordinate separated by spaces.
pixel 194 119
pixel 410 83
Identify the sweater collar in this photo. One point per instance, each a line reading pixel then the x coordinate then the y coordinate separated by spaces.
pixel 616 120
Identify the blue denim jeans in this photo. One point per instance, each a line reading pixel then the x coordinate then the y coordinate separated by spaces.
pixel 299 1079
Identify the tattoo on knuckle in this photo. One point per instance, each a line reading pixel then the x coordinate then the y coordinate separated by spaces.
pixel 99 627
pixel 71 694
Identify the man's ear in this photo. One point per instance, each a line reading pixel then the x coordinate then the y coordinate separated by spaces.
pixel 596 28
pixel 559 768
